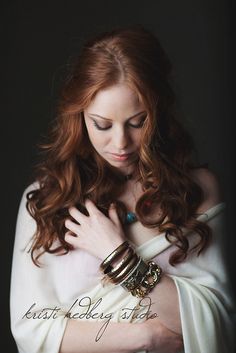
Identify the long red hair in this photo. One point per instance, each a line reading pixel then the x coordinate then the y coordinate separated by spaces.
pixel 70 170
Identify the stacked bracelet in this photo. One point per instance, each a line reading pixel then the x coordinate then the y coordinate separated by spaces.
pixel 113 256
pixel 131 272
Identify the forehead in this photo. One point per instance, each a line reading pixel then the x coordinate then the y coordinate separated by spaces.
pixel 115 100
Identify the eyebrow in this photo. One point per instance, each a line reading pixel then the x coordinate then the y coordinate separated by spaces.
pixel 131 117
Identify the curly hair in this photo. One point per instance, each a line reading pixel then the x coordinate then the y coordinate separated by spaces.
pixel 71 170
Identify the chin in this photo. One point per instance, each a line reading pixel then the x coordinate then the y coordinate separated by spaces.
pixel 124 167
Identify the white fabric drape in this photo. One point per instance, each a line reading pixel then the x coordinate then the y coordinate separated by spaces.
pixel 205 299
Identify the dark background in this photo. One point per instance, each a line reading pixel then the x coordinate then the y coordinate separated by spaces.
pixel 39 37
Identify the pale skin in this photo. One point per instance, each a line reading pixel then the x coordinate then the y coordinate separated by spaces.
pixel 114 121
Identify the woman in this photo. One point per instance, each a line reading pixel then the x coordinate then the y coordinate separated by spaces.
pixel 115 189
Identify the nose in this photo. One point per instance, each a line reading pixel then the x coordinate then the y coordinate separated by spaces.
pixel 121 138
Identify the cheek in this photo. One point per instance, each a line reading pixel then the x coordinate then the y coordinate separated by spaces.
pixel 97 139
pixel 94 136
pixel 137 138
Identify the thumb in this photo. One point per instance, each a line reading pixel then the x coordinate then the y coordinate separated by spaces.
pixel 113 215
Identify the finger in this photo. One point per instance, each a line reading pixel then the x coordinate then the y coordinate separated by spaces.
pixel 113 215
pixel 73 227
pixel 72 240
pixel 91 207
pixel 76 214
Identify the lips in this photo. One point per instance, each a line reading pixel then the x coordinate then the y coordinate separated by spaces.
pixel 121 157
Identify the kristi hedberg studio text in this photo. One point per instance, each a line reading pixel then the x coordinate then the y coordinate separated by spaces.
pixel 139 312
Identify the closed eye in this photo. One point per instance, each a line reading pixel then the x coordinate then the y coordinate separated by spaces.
pixel 100 127
pixel 139 125
pixel 135 126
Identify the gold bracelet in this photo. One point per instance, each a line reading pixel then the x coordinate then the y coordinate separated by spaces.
pixel 110 258
pixel 145 287
pixel 153 275
pixel 131 272
pixel 123 274
pixel 120 266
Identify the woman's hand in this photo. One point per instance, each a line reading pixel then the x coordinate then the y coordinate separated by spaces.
pixel 96 233
pixel 161 339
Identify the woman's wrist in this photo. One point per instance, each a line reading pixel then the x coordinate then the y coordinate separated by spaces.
pixel 125 267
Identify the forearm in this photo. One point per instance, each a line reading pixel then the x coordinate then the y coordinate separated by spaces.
pixel 80 337
pixel 165 304
pixel 83 337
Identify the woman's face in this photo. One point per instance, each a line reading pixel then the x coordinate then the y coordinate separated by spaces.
pixel 114 121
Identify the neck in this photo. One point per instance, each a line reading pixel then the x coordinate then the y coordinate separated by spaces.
pixel 130 174
pixel 128 177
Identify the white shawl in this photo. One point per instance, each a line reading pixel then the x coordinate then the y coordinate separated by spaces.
pixel 205 298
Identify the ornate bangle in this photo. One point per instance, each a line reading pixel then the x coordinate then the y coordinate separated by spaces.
pixel 136 276
pixel 153 275
pixel 149 281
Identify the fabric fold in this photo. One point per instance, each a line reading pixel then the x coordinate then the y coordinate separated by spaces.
pixel 207 325
pixel 205 298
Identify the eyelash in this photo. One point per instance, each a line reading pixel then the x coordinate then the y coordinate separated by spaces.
pixel 138 126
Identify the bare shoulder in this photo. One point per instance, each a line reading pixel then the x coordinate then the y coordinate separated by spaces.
pixel 209 183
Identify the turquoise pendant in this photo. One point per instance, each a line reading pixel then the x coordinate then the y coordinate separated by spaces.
pixel 130 218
